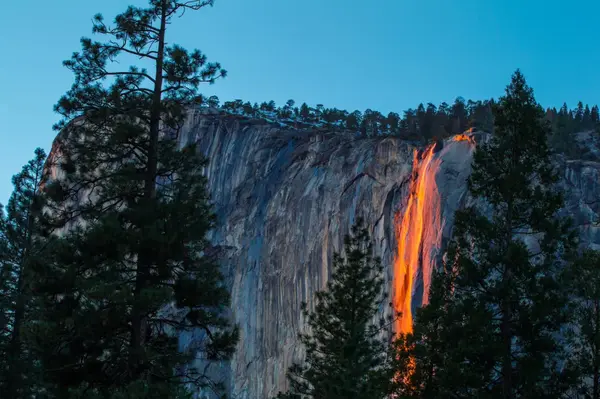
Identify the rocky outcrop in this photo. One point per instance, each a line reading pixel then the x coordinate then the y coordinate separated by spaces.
pixel 284 200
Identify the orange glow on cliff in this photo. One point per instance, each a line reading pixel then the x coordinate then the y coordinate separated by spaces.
pixel 463 137
pixel 418 237
pixel 417 234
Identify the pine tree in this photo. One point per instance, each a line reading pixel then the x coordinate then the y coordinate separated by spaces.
pixel 305 113
pixel 506 305
pixel 410 125
pixel 584 279
pixel 213 101
pixel 7 285
pixel 481 117
pixel 562 135
pixel 421 122
pixel 587 118
pixel 595 115
pixel 370 123
pixel 134 269
pixel 21 243
pixel 459 116
pixel 353 120
pixel 286 111
pixel 346 354
pixel 428 121
pixel 393 122
pixel 579 115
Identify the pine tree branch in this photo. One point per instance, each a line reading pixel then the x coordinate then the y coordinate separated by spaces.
pixel 113 46
pixel 194 5
pixel 129 73
pixel 136 90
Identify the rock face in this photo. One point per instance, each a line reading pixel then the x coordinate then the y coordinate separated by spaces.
pixel 285 198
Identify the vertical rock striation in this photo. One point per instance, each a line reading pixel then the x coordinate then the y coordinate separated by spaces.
pixel 285 198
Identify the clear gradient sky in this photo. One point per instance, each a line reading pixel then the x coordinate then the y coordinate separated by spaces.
pixel 387 55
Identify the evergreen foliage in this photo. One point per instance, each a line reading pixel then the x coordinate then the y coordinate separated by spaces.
pixel 584 279
pixel 423 124
pixel 21 246
pixel 133 268
pixel 566 123
pixel 347 355
pixel 499 305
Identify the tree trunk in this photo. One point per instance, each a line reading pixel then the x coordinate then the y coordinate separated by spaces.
pixel 505 327
pixel 507 346
pixel 14 350
pixel 139 318
pixel 596 360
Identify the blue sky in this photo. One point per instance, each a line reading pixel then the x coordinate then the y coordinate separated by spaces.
pixel 387 55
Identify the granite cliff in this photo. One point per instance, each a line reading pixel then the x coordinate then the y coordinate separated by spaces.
pixel 285 197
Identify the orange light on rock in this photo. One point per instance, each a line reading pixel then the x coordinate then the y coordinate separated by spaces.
pixel 463 137
pixel 418 233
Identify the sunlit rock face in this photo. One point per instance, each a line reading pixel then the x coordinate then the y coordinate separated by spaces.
pixel 286 197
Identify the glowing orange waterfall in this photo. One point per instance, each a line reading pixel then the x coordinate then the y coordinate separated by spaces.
pixel 418 237
pixel 418 234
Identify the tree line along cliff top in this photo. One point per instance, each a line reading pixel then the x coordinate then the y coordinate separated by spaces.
pixel 423 123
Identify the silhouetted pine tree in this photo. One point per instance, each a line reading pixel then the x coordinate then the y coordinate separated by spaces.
pixel 136 270
pixel 587 118
pixel 579 115
pixel 497 324
pixel 353 120
pixel 21 245
pixel 393 122
pixel 594 115
pixel 459 116
pixel 347 355
pixel 584 279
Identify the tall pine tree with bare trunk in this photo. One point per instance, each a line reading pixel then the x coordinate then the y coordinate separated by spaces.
pixel 134 268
